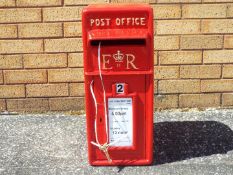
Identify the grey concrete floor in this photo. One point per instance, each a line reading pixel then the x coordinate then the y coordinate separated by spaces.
pixel 186 143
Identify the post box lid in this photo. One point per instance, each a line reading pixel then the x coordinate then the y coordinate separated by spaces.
pixel 122 17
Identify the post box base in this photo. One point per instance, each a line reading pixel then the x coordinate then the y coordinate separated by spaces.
pixel 121 162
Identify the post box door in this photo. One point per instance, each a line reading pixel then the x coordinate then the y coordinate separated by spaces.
pixel 136 92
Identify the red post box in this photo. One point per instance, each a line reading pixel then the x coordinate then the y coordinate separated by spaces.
pixel 118 69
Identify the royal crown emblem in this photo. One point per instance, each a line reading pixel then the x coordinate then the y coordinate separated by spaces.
pixel 118 56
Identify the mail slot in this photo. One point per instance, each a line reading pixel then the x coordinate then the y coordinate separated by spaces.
pixel 118 70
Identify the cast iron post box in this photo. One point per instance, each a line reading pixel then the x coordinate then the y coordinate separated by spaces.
pixel 118 69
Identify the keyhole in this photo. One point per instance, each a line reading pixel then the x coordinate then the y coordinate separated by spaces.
pixel 100 119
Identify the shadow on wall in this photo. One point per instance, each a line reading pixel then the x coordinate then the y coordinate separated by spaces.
pixel 175 141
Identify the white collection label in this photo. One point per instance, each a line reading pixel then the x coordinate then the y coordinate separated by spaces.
pixel 120 121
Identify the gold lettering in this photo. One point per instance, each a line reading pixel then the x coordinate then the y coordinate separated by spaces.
pixel 118 21
pixel 143 23
pixel 97 22
pixel 130 61
pixel 137 21
pixel 108 21
pixel 128 21
pixel 106 61
pixel 92 21
pixel 122 21
pixel 102 22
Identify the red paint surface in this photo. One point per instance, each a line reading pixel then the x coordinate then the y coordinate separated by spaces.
pixel 130 39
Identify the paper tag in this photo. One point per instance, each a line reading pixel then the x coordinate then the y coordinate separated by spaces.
pixel 120 121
